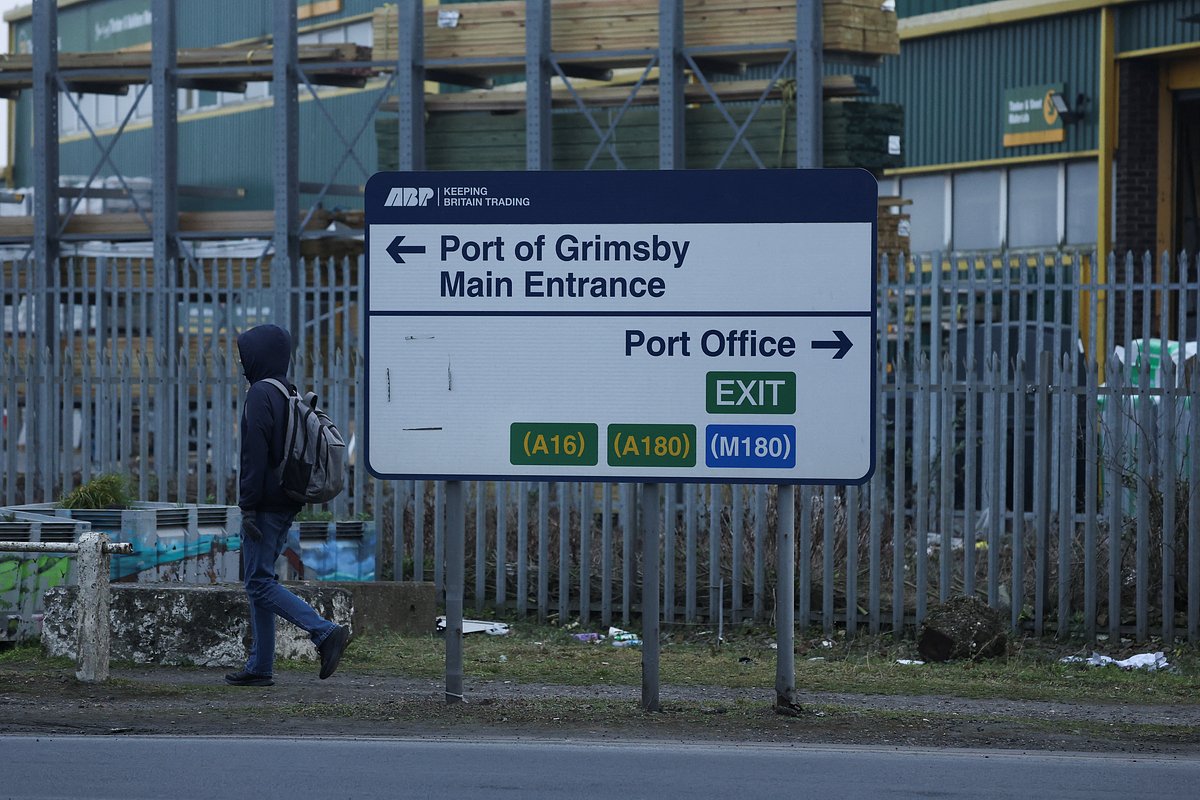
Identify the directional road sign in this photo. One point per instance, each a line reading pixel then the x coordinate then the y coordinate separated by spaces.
pixel 622 326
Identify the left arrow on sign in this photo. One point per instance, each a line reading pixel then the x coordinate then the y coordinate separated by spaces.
pixel 397 250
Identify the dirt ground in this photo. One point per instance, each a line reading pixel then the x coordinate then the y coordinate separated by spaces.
pixel 188 701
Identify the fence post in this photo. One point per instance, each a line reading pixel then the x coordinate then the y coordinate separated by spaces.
pixel 91 610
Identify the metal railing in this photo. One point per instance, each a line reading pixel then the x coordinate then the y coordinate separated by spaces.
pixel 92 626
pixel 1031 447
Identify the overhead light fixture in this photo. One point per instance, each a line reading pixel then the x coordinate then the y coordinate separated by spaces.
pixel 1068 114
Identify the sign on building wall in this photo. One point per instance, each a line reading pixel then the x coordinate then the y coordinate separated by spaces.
pixel 1030 116
pixel 635 325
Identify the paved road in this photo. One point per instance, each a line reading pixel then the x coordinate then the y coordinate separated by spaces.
pixel 132 768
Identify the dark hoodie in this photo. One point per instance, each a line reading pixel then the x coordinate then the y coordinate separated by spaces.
pixel 266 351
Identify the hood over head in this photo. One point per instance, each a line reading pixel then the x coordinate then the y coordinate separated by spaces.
pixel 266 352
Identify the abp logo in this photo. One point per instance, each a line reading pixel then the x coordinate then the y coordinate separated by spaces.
pixel 409 196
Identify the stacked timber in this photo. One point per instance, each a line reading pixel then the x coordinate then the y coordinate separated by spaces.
pixel 866 135
pixel 230 56
pixel 893 231
pixel 115 70
pixel 860 26
pixel 493 33
pixel 235 223
pixel 511 98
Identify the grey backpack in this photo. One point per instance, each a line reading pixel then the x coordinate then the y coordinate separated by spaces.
pixel 314 460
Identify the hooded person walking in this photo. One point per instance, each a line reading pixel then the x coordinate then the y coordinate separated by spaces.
pixel 267 513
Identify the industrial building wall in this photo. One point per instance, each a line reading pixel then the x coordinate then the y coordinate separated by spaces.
pixel 912 8
pixel 953 87
pixel 232 148
pixel 1144 26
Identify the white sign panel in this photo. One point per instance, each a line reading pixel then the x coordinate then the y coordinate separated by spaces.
pixel 528 325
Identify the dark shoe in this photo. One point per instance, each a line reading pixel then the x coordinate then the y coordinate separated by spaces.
pixel 243 678
pixel 331 649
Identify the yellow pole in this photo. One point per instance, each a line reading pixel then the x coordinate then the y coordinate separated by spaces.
pixel 1107 145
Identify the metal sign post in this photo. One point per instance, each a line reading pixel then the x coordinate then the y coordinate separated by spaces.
pixel 785 600
pixel 651 537
pixel 455 567
pixel 633 326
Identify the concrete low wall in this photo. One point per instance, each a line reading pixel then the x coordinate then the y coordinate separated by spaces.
pixel 409 608
pixel 210 625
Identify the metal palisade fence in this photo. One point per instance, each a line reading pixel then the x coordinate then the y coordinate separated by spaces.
pixel 1033 446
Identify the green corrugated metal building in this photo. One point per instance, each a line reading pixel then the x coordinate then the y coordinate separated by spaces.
pixel 1115 169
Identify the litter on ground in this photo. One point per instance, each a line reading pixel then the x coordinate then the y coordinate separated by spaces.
pixel 622 638
pixel 478 626
pixel 1146 661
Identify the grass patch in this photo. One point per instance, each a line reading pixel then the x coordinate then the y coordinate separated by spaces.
pixel 1031 670
pixel 533 654
pixel 31 654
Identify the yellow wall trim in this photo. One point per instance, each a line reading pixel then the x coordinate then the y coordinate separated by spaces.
pixel 1182 74
pixel 1107 135
pixel 997 13
pixel 1165 50
pixel 1034 137
pixel 1165 227
pixel 993 162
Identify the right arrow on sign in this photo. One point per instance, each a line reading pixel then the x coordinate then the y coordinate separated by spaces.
pixel 842 344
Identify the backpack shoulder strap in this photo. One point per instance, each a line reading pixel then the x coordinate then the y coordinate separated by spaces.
pixel 289 432
pixel 278 386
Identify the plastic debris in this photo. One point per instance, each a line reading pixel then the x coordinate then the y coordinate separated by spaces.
pixel 622 638
pixel 587 637
pixel 478 626
pixel 1147 661
pixel 910 662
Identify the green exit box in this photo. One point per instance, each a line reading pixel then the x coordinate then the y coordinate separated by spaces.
pixel 751 392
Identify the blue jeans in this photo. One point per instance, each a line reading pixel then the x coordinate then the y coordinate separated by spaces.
pixel 267 597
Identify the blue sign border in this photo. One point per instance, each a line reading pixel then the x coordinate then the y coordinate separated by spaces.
pixel 631 197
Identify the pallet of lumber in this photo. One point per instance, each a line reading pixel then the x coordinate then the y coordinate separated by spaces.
pixel 493 33
pixel 892 232
pixel 102 225
pixel 122 68
pixel 189 57
pixel 866 135
pixel 512 100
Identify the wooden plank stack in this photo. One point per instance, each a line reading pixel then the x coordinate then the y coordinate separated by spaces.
pixel 893 231
pixel 860 26
pixel 507 101
pixel 866 135
pixel 101 225
pixel 125 68
pixel 494 32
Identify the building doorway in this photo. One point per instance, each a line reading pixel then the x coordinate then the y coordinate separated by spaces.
pixel 1187 171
